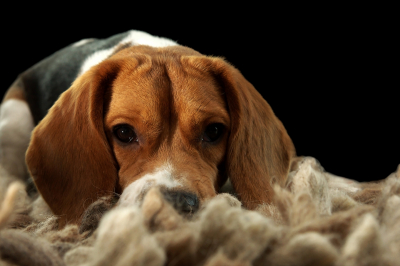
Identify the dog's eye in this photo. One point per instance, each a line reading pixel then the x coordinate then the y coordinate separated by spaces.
pixel 213 132
pixel 125 133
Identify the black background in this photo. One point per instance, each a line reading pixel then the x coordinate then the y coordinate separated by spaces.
pixel 328 72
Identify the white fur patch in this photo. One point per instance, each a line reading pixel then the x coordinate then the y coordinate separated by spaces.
pixel 82 42
pixel 16 125
pixel 134 37
pixel 163 176
pixel 95 59
pixel 16 122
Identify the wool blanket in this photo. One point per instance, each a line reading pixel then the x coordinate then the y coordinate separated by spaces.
pixel 316 219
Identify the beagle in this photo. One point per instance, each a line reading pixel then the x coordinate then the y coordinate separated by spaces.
pixel 134 111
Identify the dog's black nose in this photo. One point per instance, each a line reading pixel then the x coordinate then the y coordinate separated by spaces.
pixel 182 201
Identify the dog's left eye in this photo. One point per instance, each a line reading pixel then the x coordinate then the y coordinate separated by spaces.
pixel 213 132
pixel 125 133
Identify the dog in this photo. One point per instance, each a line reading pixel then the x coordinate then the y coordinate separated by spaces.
pixel 135 111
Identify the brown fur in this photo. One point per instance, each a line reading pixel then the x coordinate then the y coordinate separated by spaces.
pixel 251 170
pixel 170 94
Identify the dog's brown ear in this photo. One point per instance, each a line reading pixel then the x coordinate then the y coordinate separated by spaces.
pixel 259 149
pixel 69 157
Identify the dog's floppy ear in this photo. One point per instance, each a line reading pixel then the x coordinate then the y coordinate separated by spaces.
pixel 69 157
pixel 259 149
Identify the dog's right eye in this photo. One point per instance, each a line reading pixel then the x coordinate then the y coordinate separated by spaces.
pixel 125 134
pixel 213 132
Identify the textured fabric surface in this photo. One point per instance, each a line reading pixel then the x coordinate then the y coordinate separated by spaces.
pixel 317 219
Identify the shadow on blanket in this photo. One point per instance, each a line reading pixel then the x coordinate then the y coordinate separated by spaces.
pixel 318 219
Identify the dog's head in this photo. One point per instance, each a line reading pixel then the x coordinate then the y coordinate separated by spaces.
pixel 167 117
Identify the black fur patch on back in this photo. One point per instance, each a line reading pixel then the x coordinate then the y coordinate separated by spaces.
pixel 45 81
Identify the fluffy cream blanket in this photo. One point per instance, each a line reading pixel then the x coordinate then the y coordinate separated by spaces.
pixel 317 219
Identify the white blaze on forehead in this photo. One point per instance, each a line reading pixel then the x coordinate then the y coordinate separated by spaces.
pixel 134 37
pixel 163 176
